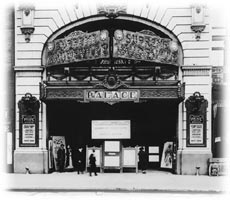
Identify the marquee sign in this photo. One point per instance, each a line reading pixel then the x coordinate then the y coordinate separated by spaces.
pixel 145 47
pixel 111 96
pixel 141 46
pixel 78 46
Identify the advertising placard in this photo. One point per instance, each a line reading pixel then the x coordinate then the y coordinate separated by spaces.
pixel 111 129
pixel 28 133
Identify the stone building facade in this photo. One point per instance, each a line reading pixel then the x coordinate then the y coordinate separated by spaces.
pixel 199 43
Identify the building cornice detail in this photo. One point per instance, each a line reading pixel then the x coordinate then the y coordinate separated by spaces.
pixel 28 68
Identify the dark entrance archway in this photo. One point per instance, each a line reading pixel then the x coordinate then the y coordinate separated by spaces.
pixel 152 123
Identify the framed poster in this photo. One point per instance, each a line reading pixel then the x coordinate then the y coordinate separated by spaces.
pixel 29 131
pixel 167 155
pixel 129 157
pixel 154 158
pixel 112 161
pixel 112 146
pixel 110 129
pixel 196 134
pixel 28 134
pixel 153 149
pixel 57 141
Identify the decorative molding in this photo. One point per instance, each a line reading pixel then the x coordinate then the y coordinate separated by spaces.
pixel 28 68
pixel 111 82
pixel 77 93
pixel 111 11
pixel 196 70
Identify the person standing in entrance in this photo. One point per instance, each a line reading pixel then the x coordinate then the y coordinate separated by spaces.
pixel 92 163
pixel 80 160
pixel 61 158
pixel 143 160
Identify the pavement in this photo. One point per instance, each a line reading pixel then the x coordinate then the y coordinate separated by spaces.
pixel 152 181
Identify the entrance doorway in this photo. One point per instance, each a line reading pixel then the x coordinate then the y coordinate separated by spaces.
pixel 152 123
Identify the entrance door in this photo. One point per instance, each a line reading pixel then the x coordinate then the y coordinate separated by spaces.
pixel 152 123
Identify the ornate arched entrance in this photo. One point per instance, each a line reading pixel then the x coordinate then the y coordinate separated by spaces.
pixel 113 68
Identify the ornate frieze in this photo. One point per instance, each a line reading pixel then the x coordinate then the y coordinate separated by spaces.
pixel 196 70
pixel 140 46
pixel 78 46
pixel 126 94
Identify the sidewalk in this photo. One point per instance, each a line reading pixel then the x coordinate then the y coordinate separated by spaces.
pixel 154 181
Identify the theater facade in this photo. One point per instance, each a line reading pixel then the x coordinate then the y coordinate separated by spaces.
pixel 121 74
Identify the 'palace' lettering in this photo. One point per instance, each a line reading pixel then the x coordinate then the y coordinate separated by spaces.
pixel 91 95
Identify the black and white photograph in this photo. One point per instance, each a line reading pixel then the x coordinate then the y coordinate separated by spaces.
pixel 115 99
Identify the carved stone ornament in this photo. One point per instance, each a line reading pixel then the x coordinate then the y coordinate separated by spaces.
pixel 196 103
pixel 111 82
pixel 27 26
pixel 198 29
pixel 28 104
pixel 111 11
pixel 198 22
pixel 27 32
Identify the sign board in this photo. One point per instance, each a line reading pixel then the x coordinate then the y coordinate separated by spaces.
pixel 196 120
pixel 111 96
pixel 28 133
pixel 196 129
pixel 78 46
pixel 112 146
pixel 111 129
pixel 28 121
pixel 196 134
pixel 28 130
pixel 111 161
pixel 141 46
pixel 154 158
pixel 129 157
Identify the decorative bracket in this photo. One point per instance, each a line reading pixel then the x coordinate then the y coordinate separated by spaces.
pixel 198 29
pixel 198 20
pixel 27 32
pixel 27 26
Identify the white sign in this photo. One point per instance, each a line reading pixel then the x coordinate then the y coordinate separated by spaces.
pixel 112 146
pixel 112 161
pixel 129 157
pixel 154 149
pixel 111 129
pixel 196 133
pixel 28 133
pixel 154 158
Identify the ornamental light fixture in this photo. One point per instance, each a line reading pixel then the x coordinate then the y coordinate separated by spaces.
pixel 27 25
pixel 198 23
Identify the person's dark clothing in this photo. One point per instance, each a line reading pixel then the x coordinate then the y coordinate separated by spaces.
pixel 92 164
pixel 79 161
pixel 61 159
pixel 143 160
